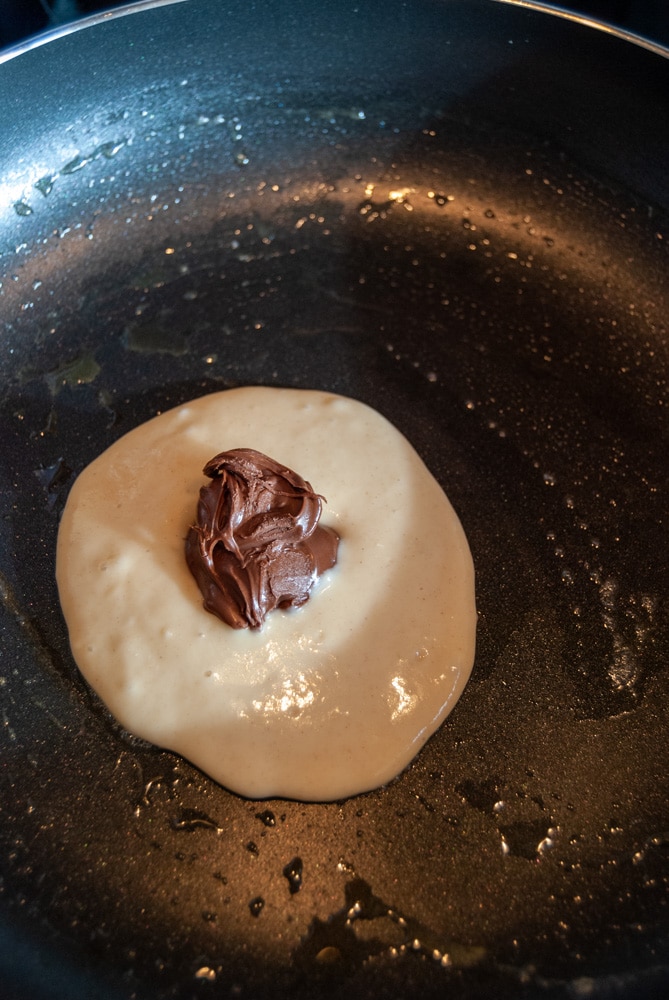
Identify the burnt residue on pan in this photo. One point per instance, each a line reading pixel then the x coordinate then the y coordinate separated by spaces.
pixel 504 303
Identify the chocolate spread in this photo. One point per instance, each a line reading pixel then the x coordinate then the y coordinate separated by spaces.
pixel 257 544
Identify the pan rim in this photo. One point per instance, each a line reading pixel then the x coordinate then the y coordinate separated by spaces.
pixel 138 6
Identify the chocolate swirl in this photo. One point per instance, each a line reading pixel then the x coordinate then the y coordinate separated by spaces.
pixel 257 544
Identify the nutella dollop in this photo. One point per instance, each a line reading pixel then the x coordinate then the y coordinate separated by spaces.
pixel 257 544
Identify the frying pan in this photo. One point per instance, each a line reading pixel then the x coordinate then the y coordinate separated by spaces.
pixel 457 213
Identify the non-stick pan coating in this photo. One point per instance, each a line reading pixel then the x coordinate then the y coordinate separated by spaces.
pixel 456 213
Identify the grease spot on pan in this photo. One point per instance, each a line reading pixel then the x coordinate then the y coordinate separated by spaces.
pixel 154 338
pixel 365 928
pixel 81 370
pixel 53 478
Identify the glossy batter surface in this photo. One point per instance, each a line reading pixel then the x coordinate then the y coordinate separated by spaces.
pixel 325 701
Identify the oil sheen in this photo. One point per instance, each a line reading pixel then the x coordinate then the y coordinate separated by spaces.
pixel 325 701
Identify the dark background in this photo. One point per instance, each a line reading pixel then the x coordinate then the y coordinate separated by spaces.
pixel 21 18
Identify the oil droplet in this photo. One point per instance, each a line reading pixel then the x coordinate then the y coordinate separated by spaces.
pixel 527 839
pixel 293 872
pixel 45 184
pixel 328 955
pixel 75 164
pixel 267 818
pixel 110 149
pixel 442 199
pixel 193 819
pixel 256 906
pixel 207 974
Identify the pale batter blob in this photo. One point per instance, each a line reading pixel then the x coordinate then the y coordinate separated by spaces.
pixel 325 701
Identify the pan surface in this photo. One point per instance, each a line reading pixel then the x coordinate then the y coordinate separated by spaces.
pixel 456 213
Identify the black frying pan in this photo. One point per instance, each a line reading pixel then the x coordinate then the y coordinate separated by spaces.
pixel 456 212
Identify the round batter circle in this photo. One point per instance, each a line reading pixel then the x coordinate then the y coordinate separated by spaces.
pixel 325 701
